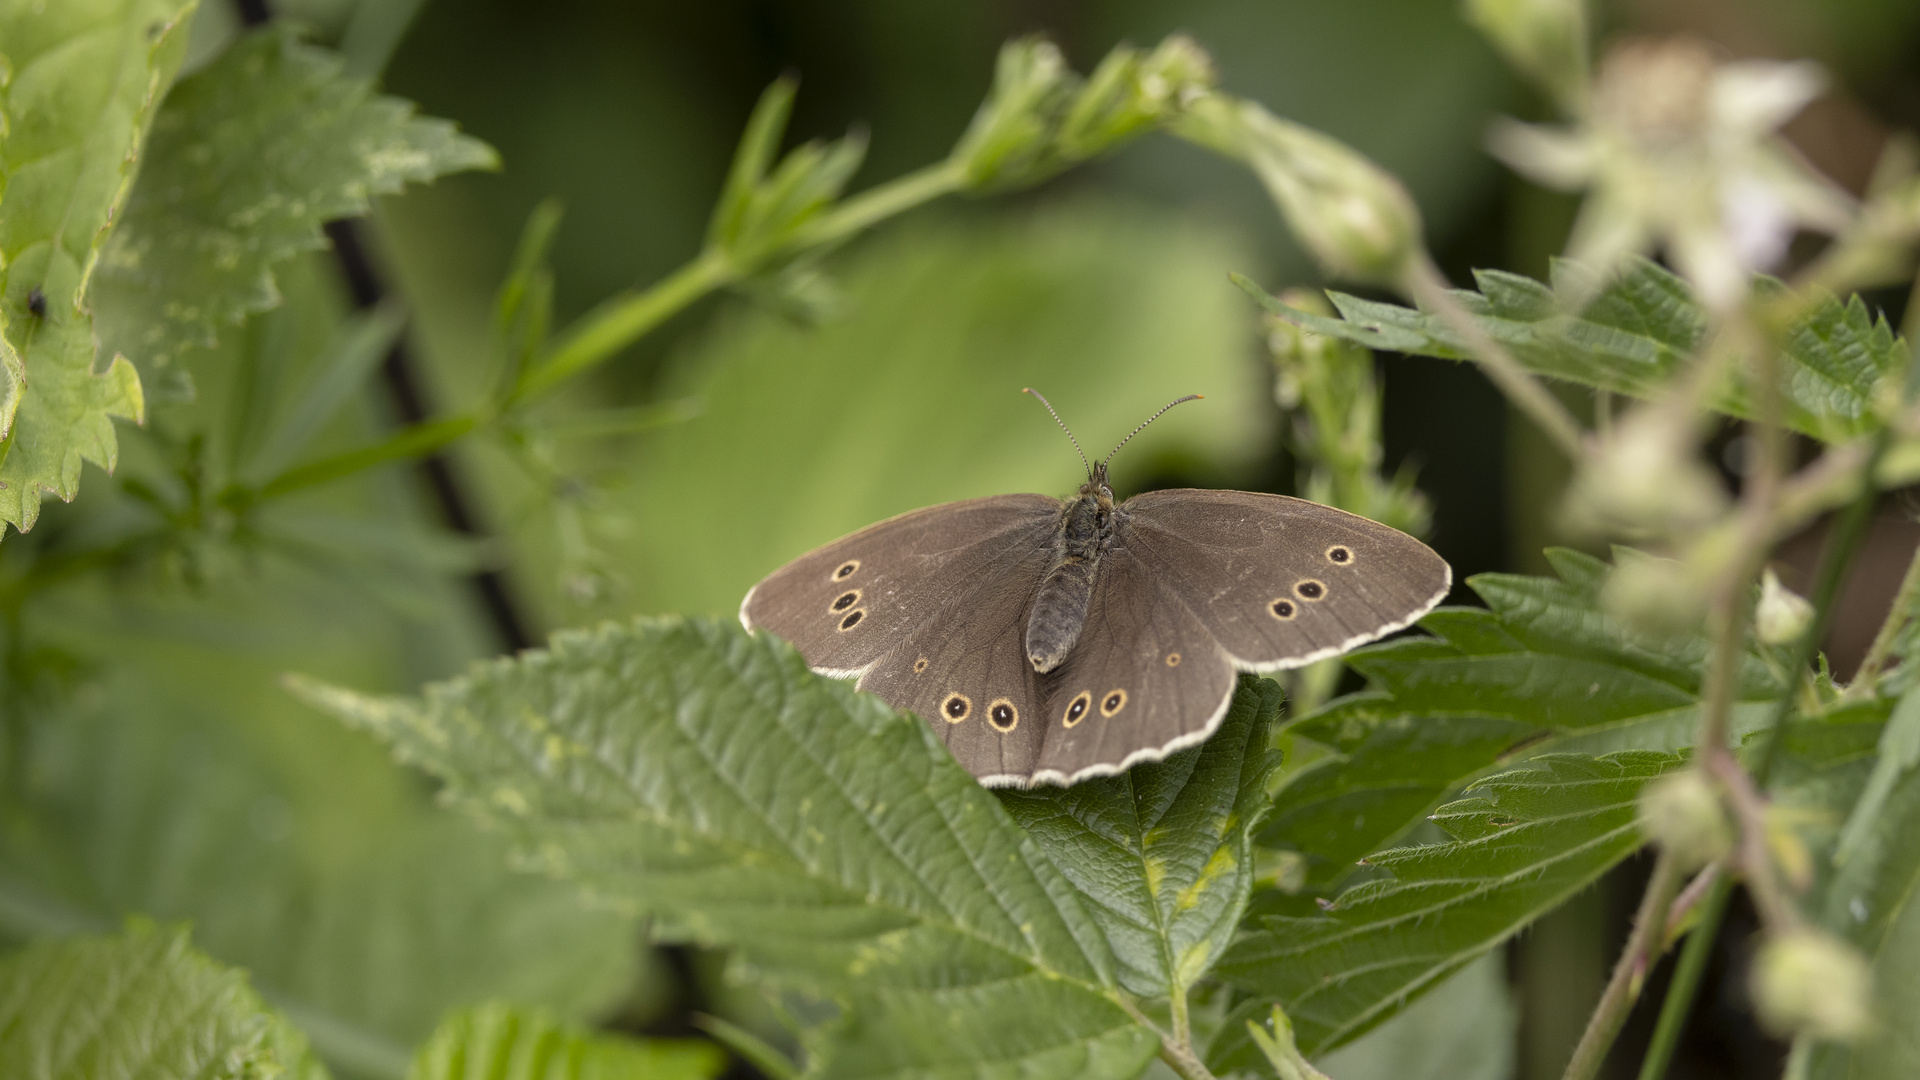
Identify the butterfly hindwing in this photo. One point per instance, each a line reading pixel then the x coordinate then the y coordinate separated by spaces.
pixel 1281 582
pixel 846 604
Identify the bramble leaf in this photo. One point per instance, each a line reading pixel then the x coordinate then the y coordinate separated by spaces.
pixel 1633 338
pixel 86 77
pixel 140 1004
pixel 501 1042
pixel 1163 852
pixel 248 158
pixel 706 779
pixel 1523 841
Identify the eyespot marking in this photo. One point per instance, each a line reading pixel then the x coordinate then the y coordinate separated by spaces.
pixel 1173 659
pixel 1340 553
pixel 1283 609
pixel 1309 589
pixel 1077 709
pixel 1113 702
pixel 853 619
pixel 844 601
pixel 846 570
pixel 1002 715
pixel 956 707
pixel 920 665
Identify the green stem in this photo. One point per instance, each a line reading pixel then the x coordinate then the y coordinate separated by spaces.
pixel 1686 982
pixel 1883 642
pixel 876 204
pixel 1623 989
pixel 411 442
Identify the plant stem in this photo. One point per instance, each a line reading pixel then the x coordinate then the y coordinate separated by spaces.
pixel 410 442
pixel 1897 616
pixel 1178 1054
pixel 1428 289
pixel 1686 981
pixel 876 204
pixel 1623 989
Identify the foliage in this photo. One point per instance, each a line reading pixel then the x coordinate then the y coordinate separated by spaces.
pixel 499 1042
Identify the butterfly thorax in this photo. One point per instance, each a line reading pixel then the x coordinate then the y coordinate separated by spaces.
pixel 1082 536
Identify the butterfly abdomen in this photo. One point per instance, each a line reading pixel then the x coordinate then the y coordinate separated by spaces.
pixel 1060 605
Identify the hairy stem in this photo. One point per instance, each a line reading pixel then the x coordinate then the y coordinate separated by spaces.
pixel 1623 989
pixel 1424 283
pixel 1686 981
pixel 1883 642
pixel 1177 1053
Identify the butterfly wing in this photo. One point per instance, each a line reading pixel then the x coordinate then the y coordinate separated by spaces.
pixel 1145 679
pixel 845 605
pixel 1281 582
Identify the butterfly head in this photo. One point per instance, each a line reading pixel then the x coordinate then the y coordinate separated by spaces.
pixel 1097 488
pixel 1096 485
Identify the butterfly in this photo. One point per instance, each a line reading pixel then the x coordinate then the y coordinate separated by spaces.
pixel 1046 641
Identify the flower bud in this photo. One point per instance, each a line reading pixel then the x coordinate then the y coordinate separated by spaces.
pixel 1015 126
pixel 1781 617
pixel 1681 812
pixel 1644 481
pixel 1654 596
pixel 1808 982
pixel 1545 39
pixel 1354 218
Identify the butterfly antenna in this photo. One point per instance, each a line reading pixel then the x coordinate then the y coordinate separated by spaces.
pixel 1149 420
pixel 1064 427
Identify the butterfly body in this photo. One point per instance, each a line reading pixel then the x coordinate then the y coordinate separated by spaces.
pixel 1047 641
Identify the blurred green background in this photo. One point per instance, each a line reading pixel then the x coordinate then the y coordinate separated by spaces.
pixel 299 850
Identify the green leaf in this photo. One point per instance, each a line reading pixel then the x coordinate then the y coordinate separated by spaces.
pixel 1466 1030
pixel 1543 668
pixel 707 780
pixel 500 1042
pixel 1523 842
pixel 86 77
pixel 1634 337
pixel 1163 852
pixel 248 158
pixel 140 1004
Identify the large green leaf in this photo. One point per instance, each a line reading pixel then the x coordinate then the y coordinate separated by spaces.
pixel 1466 1030
pixel 86 77
pixel 364 922
pixel 1523 842
pixel 706 779
pixel 500 1042
pixel 1543 668
pixel 1163 852
pixel 247 159
pixel 142 1005
pixel 1634 337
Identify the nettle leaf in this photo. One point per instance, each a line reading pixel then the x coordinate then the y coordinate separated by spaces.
pixel 1523 842
pixel 500 1042
pixel 1163 852
pixel 86 78
pixel 139 1004
pixel 1634 337
pixel 1543 668
pixel 688 772
pixel 247 159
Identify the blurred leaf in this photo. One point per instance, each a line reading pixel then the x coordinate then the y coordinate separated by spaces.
pixel 364 922
pixel 708 780
pixel 1544 668
pixel 140 1004
pixel 85 78
pixel 1162 852
pixel 759 214
pixel 1871 902
pixel 500 1042
pixel 1467 1030
pixel 249 157
pixel 1634 337
pixel 914 396
pixel 1523 842
pixel 360 343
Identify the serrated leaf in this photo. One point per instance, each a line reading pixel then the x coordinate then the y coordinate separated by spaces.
pixel 501 1042
pixel 704 778
pixel 86 78
pixel 142 1004
pixel 247 159
pixel 1525 840
pixel 1163 852
pixel 1634 338
pixel 1544 668
pixel 1466 1030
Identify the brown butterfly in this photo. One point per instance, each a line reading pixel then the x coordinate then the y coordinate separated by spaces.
pixel 1048 641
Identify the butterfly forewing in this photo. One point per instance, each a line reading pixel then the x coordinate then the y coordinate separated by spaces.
pixel 1145 679
pixel 846 604
pixel 1281 582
